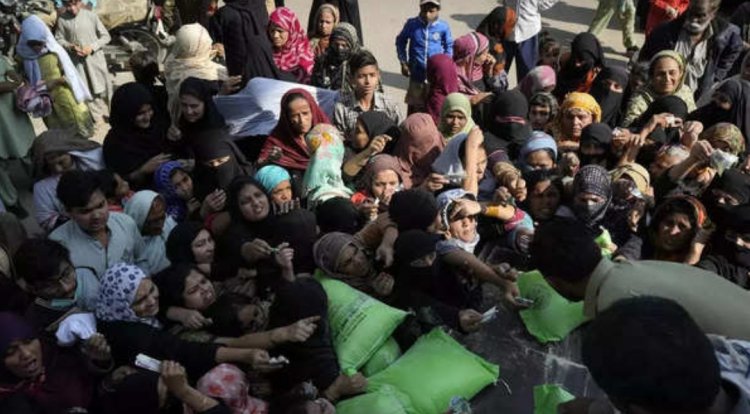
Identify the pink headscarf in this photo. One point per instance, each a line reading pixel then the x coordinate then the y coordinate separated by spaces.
pixel 537 80
pixel 295 56
pixel 443 79
pixel 229 384
pixel 420 144
pixel 468 47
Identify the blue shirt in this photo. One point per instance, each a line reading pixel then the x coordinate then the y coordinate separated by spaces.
pixel 125 244
pixel 424 41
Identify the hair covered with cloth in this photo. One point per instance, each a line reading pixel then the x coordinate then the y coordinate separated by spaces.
pixel 456 102
pixel 295 55
pixel 420 144
pixel 117 292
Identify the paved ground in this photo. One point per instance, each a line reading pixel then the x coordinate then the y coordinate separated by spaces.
pixel 523 361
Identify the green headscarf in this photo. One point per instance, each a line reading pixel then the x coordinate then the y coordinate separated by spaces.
pixel 456 102
pixel 677 57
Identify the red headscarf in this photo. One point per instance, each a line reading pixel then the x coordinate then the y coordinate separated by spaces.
pixel 295 152
pixel 443 79
pixel 420 144
pixel 295 56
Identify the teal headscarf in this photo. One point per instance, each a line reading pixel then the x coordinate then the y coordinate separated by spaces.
pixel 322 179
pixel 271 176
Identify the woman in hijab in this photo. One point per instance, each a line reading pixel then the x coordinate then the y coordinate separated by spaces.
pixel 51 378
pixel 190 56
pixel 538 153
pixel 291 48
pixel 729 103
pixel 55 152
pixel 374 133
pixel 126 315
pixel 540 79
pixel 326 17
pixel 596 146
pixel 443 80
pixel 507 125
pixel 299 114
pixel 322 179
pixel 455 116
pixel 191 243
pixel 577 111
pixel 149 211
pixel 332 69
pixel 45 61
pixel 349 10
pixel 729 254
pixel 608 89
pixel 382 179
pixel 543 108
pixel 730 190
pixel 666 77
pixel 669 104
pixel 174 183
pixel 592 195
pixel 136 144
pixel 217 158
pixel 243 32
pixel 497 27
pixel 257 238
pixel 585 61
pixel 678 231
pixel 277 183
pixel 472 59
pixel 419 146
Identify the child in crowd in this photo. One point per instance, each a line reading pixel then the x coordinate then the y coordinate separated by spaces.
pixel 425 35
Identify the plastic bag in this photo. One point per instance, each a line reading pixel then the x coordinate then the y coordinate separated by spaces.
pixel 383 358
pixel 385 401
pixel 433 371
pixel 359 323
pixel 551 317
pixel 547 397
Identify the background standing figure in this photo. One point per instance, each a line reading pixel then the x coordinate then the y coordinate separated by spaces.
pixel 80 31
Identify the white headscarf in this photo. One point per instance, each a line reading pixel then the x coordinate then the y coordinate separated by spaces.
pixel 33 28
pixel 138 207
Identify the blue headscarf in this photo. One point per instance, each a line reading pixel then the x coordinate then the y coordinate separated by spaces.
pixel 176 206
pixel 271 176
pixel 538 141
pixel 117 294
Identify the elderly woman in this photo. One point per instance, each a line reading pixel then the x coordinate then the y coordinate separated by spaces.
pixel 543 108
pixel 46 63
pixel 382 179
pixel 332 70
pixel 291 48
pixel 577 111
pixel 666 77
pixel 326 17
pixel 52 379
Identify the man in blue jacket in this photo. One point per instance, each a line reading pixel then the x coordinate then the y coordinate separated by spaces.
pixel 426 35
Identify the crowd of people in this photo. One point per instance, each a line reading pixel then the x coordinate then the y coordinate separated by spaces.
pixel 628 188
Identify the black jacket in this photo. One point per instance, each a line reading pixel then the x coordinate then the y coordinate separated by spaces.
pixel 724 48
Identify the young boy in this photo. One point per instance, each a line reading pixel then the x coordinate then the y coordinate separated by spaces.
pixel 426 35
pixel 83 35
